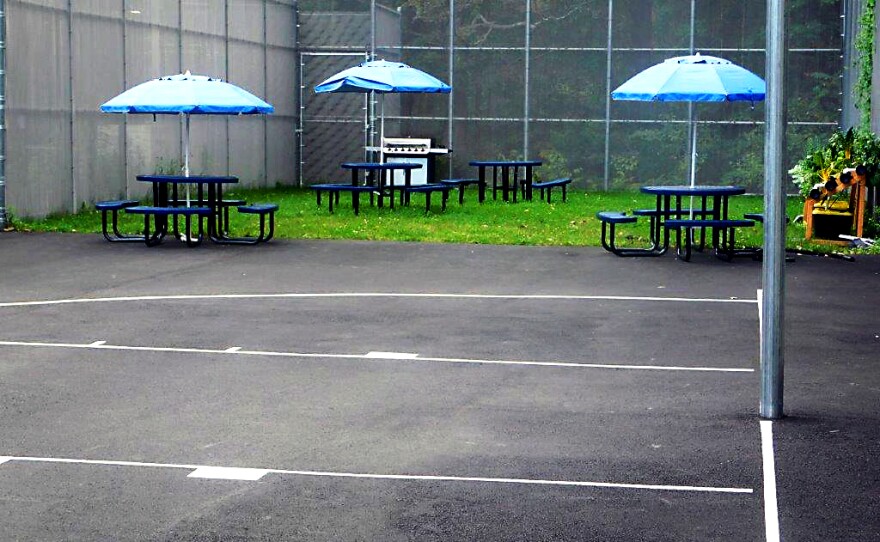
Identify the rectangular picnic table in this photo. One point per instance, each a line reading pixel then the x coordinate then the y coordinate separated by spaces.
pixel 505 185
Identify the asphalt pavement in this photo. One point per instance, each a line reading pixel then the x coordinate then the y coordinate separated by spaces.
pixel 324 390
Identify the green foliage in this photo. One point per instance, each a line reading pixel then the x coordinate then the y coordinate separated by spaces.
pixel 865 63
pixel 555 166
pixel 624 169
pixel 842 150
pixel 871 227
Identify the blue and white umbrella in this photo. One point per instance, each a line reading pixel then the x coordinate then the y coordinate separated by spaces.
pixel 186 94
pixel 383 77
pixel 694 78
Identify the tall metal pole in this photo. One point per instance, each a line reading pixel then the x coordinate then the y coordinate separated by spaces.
pixel 527 77
pixel 124 86
pixel 302 112
pixel 449 142
pixel 265 91
pixel 773 273
pixel 608 98
pixel 373 30
pixel 371 97
pixel 71 144
pixel 692 125
pixel 228 78
pixel 3 217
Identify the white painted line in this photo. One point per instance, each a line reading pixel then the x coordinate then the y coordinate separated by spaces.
pixel 760 321
pixel 394 356
pixel 413 477
pixel 771 507
pixel 521 481
pixel 228 473
pixel 233 350
pixel 391 355
pixel 4 459
pixel 98 343
pixel 342 295
pixel 103 462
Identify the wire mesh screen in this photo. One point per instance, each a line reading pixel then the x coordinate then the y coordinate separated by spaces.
pixel 531 79
pixel 334 126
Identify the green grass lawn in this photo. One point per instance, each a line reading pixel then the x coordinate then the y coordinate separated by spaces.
pixel 572 223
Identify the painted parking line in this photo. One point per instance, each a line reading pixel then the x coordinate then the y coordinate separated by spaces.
pixel 771 506
pixel 355 295
pixel 228 473
pixel 391 356
pixel 374 476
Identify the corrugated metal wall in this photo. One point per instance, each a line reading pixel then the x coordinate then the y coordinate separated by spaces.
pixel 67 57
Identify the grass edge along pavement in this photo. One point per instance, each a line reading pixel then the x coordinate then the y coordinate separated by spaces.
pixel 570 223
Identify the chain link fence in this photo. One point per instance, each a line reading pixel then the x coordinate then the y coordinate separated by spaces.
pixel 532 79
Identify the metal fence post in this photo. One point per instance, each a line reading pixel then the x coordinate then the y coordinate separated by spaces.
pixel 607 176
pixel 528 45
pixel 3 216
pixel 449 142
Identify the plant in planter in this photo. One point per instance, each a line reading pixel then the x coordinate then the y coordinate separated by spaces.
pixel 833 179
pixel 843 150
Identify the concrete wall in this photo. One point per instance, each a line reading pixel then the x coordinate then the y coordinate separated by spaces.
pixel 67 57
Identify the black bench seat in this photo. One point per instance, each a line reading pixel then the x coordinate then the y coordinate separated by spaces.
pixel 708 223
pixel 610 219
pixel 678 214
pixel 427 190
pixel 653 215
pixel 463 183
pixel 264 211
pixel 113 207
pixel 161 215
pixel 224 206
pixel 613 217
pixel 168 211
pixel 724 236
pixel 335 189
pixel 548 186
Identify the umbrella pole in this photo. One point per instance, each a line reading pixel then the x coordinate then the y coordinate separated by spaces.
pixel 186 154
pixel 382 129
pixel 693 160
pixel 186 236
pixel 693 151
pixel 382 141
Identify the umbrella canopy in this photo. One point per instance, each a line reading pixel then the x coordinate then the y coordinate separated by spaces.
pixel 694 78
pixel 383 77
pixel 187 94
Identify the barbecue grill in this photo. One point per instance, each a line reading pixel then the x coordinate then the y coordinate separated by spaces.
pixel 412 149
